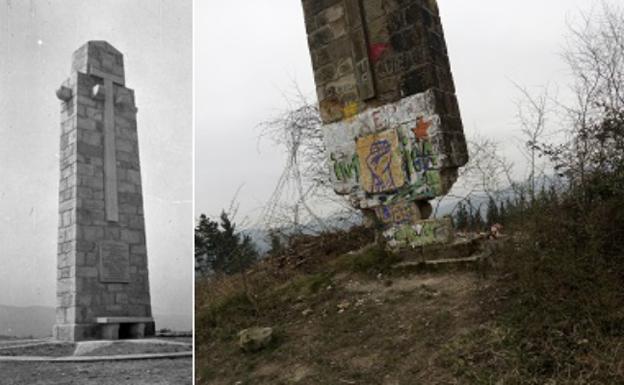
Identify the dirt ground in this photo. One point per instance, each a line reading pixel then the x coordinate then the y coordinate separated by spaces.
pixel 143 372
pixel 356 331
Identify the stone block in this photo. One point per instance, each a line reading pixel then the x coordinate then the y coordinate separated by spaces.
pixel 134 177
pixel 110 331
pixel 113 309
pixel 91 233
pixel 60 314
pixel 65 272
pixel 87 272
pixel 85 300
pixel 137 259
pixel 137 330
pixel 121 298
pixel 92 138
pixel 136 222
pixel 115 287
pixel 64 300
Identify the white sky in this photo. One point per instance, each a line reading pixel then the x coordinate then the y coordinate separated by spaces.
pixel 37 38
pixel 249 53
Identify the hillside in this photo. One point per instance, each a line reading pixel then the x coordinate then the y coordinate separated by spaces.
pixel 364 317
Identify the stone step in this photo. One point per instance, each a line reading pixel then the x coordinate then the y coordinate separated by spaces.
pixel 457 250
pixel 443 264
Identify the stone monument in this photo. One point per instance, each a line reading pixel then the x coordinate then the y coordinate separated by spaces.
pixel 391 120
pixel 102 276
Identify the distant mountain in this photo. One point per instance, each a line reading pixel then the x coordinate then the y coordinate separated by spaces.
pixel 37 321
pixel 175 322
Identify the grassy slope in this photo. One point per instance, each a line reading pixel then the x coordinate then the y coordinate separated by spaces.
pixel 341 322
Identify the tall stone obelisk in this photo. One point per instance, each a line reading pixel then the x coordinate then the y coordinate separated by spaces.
pixel 102 275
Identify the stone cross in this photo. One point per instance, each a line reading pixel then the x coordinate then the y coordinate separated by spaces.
pixel 110 159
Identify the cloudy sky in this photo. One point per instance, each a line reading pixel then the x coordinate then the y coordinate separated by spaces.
pixel 249 55
pixel 37 38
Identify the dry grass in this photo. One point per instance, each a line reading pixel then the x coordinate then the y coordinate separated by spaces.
pixel 552 312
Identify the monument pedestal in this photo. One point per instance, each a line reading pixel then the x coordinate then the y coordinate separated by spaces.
pixel 75 332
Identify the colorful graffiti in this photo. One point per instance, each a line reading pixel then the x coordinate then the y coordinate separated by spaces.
pixel 421 233
pixel 380 162
pixel 421 131
pixel 393 153
pixel 350 110
pixel 419 153
pixel 401 212
pixel 346 170
pixel 376 51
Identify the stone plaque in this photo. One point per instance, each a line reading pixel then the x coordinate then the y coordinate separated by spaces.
pixel 114 262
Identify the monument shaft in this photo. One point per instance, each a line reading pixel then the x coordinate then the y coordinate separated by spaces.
pixel 391 121
pixel 102 281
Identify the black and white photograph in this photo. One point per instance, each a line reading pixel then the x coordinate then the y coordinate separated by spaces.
pixel 96 273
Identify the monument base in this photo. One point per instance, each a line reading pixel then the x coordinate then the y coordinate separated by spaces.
pixel 104 331
pixel 419 234
pixel 76 332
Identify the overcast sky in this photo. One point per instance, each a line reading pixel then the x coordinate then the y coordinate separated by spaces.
pixel 249 53
pixel 37 39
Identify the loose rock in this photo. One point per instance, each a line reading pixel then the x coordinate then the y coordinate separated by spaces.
pixel 255 339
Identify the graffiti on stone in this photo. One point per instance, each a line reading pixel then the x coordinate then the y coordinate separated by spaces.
pixel 376 164
pixel 380 162
pixel 400 212
pixel 346 168
pixel 391 121
pixel 418 234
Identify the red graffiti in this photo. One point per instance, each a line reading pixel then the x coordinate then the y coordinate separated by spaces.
pixel 377 50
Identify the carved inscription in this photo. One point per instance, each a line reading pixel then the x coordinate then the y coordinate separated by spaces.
pixel 114 262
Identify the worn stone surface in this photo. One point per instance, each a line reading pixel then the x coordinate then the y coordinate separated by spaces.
pixel 392 125
pixel 420 233
pixel 102 260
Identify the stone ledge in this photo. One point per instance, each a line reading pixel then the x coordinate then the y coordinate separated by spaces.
pixel 122 320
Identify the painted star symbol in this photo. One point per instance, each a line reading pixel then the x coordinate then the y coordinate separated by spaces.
pixel 422 129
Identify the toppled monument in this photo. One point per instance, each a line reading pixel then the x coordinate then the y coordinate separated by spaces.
pixel 391 120
pixel 102 276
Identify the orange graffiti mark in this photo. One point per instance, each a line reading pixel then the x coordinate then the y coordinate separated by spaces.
pixel 422 129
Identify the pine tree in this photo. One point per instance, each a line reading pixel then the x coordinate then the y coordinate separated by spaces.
pixel 220 248
pixel 552 195
pixel 492 215
pixel 543 198
pixel 510 209
pixel 521 205
pixel 469 221
pixel 205 234
pixel 477 220
pixel 502 213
